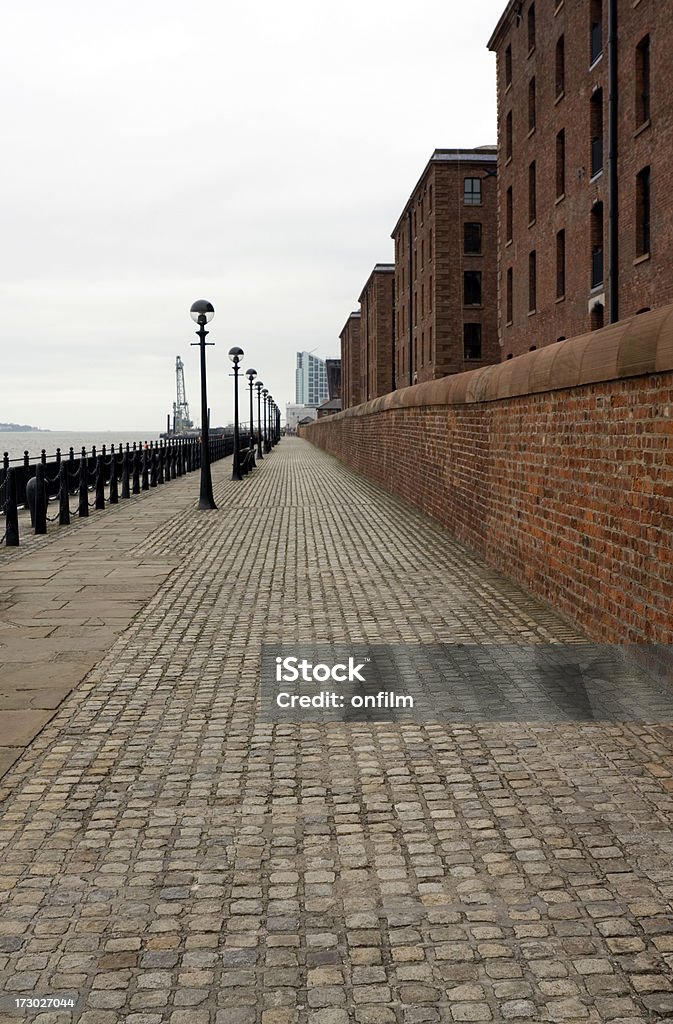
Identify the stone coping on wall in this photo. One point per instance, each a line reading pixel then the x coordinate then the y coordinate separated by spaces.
pixel 630 348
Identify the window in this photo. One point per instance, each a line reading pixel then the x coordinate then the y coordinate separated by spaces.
pixel 430 299
pixel 531 105
pixel 472 192
pixel 560 163
pixel 472 237
pixel 415 309
pixel 509 214
pixel 508 66
pixel 430 199
pixel 597 273
pixel 560 64
pixel 532 281
pixel 472 341
pixel 560 264
pixel 508 136
pixel 532 192
pixel 422 253
pixel 472 288
pixel 596 31
pixel 430 244
pixel 422 300
pixel 531 27
pixel 643 211
pixel 643 81
pixel 596 132
pixel 510 295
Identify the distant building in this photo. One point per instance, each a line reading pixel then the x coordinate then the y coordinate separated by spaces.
pixel 585 130
pixel 351 383
pixel 294 413
pixel 333 367
pixel 329 408
pixel 311 380
pixel 377 334
pixel 445 268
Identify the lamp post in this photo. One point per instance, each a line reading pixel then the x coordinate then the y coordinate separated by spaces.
pixel 235 354
pixel 268 436
pixel 259 385
pixel 265 392
pixel 202 312
pixel 251 374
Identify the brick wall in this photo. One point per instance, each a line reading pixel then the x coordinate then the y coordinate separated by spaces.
pixel 556 466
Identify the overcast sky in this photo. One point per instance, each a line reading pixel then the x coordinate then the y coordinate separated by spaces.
pixel 257 155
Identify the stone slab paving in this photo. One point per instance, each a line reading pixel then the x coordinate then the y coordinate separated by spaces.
pixel 164 856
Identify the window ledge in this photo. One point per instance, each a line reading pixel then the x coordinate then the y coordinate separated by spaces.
pixel 559 199
pixel 530 52
pixel 559 96
pixel 508 242
pixel 642 259
pixel 643 127
pixel 596 176
pixel 473 305
pixel 596 289
pixel 473 254
pixel 597 61
pixel 508 87
pixel 558 7
pixel 531 131
pixel 560 298
pixel 509 323
pixel 531 223
pixel 532 312
pixel 508 161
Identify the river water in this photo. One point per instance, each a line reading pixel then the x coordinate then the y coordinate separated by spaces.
pixel 33 441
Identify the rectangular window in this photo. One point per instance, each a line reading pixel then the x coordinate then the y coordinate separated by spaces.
pixel 510 295
pixel 596 31
pixel 430 244
pixel 422 253
pixel 597 270
pixel 472 341
pixel 508 66
pixel 643 211
pixel 560 163
pixel 472 192
pixel 430 199
pixel 531 27
pixel 560 67
pixel 509 214
pixel 532 193
pixel 560 264
pixel 430 295
pixel 472 237
pixel 472 288
pixel 508 136
pixel 643 81
pixel 531 105
pixel 596 132
pixel 532 282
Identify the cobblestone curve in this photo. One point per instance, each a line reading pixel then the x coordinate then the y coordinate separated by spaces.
pixel 168 858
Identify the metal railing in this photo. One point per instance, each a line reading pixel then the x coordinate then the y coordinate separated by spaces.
pixel 124 471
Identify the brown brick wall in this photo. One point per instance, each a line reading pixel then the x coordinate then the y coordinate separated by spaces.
pixel 377 309
pixel 351 383
pixel 556 467
pixel 648 283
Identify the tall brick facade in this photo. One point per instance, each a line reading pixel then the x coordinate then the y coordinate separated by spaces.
pixel 445 268
pixel 377 337
pixel 351 382
pixel 564 266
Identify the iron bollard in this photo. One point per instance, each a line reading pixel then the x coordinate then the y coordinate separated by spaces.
pixel 160 472
pixel 100 482
pixel 40 499
pixel 145 473
pixel 136 470
pixel 126 489
pixel 153 465
pixel 179 458
pixel 11 512
pixel 114 490
pixel 63 496
pixel 83 510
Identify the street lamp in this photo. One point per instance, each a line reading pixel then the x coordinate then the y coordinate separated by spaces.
pixel 235 354
pixel 202 312
pixel 265 392
pixel 251 374
pixel 259 385
pixel 268 436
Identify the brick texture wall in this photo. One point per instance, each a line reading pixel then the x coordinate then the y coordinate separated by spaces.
pixel 351 379
pixel 556 467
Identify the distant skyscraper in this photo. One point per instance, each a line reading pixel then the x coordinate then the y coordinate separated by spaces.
pixel 311 380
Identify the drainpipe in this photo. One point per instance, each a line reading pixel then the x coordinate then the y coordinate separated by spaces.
pixel 411 304
pixel 613 171
pixel 392 357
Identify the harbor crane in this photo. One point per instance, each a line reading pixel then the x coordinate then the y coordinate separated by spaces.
pixel 182 424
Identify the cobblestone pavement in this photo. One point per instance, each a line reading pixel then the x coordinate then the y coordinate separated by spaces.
pixel 166 857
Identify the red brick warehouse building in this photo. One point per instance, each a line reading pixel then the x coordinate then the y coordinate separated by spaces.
pixel 445 268
pixel 351 374
pixel 585 171
pixel 377 334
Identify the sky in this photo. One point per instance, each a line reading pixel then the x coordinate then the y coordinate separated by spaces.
pixel 256 155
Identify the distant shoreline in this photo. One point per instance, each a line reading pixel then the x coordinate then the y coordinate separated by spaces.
pixel 22 428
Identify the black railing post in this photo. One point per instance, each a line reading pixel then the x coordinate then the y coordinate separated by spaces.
pixel 126 458
pixel 100 482
pixel 114 490
pixel 63 496
pixel 178 458
pixel 83 509
pixel 136 469
pixel 11 512
pixel 40 498
pixel 145 486
pixel 160 470
pixel 153 465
